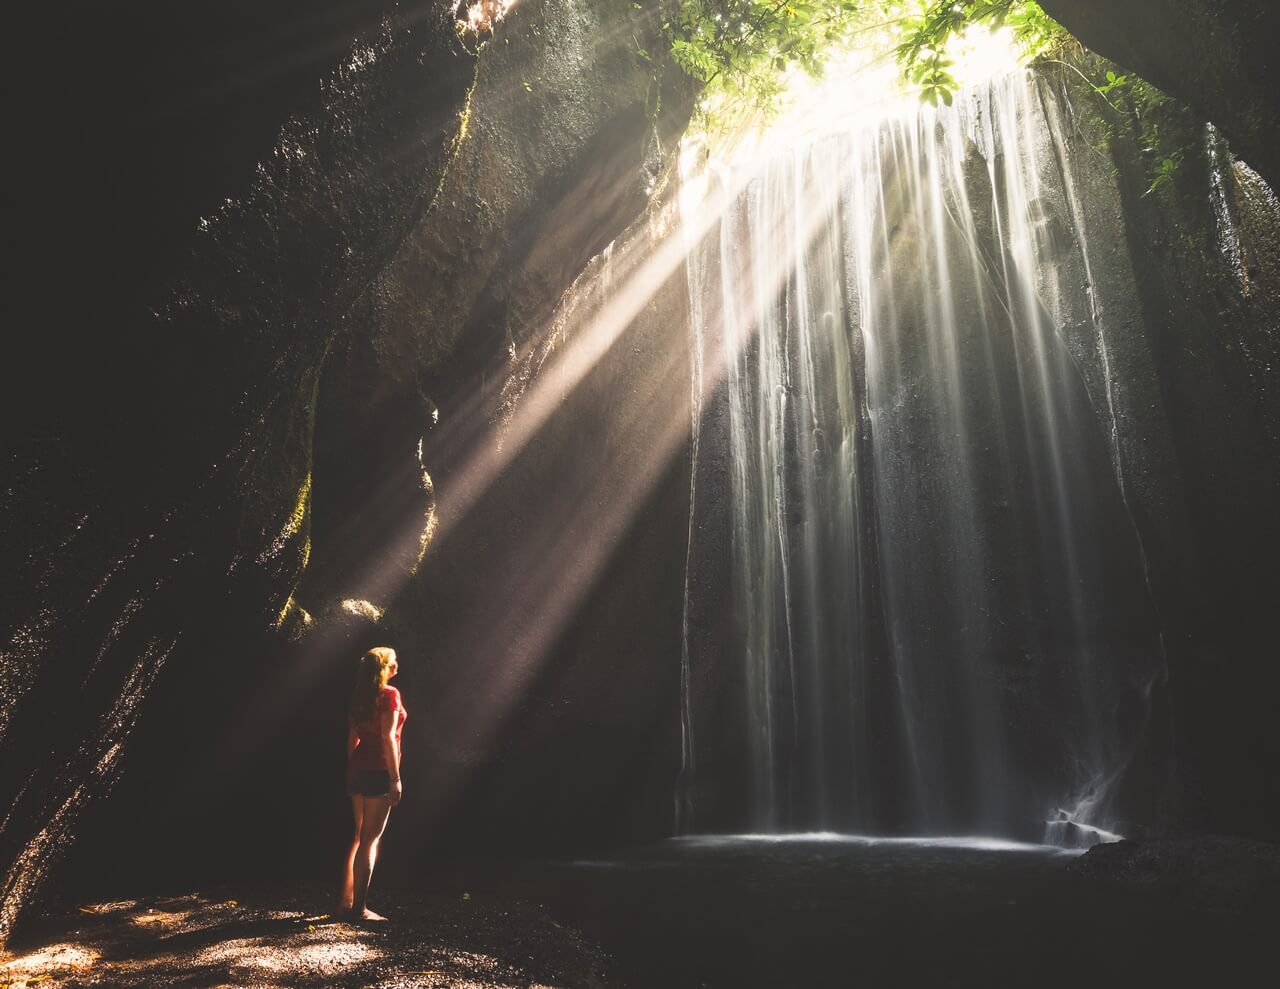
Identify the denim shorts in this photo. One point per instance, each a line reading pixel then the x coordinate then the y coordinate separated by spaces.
pixel 369 783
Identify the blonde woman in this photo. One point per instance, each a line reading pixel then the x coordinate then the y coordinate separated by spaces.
pixel 374 723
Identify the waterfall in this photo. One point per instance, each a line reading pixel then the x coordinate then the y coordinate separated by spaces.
pixel 939 619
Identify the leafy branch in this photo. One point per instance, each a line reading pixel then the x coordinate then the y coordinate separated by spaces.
pixel 745 48
pixel 925 37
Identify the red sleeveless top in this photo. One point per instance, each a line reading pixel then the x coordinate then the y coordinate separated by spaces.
pixel 367 756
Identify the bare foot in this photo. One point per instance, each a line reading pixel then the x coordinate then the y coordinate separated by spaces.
pixel 368 914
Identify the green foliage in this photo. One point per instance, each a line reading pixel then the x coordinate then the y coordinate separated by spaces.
pixel 742 49
pixel 1150 108
pixel 1165 170
pixel 1113 82
pixel 926 34
pixel 1149 114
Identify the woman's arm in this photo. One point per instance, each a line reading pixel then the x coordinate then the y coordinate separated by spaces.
pixel 391 749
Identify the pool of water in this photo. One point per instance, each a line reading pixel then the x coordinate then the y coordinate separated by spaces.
pixel 828 909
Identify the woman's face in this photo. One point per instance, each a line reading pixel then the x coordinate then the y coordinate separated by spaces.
pixel 392 669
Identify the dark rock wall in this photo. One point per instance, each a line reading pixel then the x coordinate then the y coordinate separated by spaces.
pixel 567 132
pixel 1176 338
pixel 251 176
pixel 164 494
pixel 1216 56
pixel 1197 351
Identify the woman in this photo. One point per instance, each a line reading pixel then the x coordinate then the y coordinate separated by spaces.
pixel 375 721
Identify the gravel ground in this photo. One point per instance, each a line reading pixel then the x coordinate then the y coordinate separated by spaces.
pixel 283 936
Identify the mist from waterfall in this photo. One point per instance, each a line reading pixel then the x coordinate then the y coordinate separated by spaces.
pixel 937 613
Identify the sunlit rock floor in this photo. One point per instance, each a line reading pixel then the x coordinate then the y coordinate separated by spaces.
pixel 282 936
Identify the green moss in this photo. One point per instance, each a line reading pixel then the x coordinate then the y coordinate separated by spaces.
pixel 459 137
pixel 301 510
pixel 1128 113
pixel 294 621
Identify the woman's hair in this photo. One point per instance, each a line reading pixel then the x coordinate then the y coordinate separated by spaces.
pixel 371 676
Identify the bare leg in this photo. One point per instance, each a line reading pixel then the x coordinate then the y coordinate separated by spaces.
pixel 376 811
pixel 348 878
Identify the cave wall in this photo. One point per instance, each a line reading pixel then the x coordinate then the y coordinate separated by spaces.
pixel 1197 419
pixel 257 175
pixel 1215 56
pixel 570 129
pixel 163 495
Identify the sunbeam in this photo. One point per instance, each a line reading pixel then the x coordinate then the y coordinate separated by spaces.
pixel 538 583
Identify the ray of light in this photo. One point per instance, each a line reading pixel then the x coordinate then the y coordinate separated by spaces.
pixel 536 584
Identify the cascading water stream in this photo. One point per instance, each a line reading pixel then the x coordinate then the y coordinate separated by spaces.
pixel 938 595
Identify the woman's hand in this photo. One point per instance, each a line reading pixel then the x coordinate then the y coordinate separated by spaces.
pixel 396 792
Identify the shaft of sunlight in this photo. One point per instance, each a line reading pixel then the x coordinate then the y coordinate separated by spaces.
pixel 864 83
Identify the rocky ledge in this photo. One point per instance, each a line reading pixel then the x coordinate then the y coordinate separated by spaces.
pixel 1215 874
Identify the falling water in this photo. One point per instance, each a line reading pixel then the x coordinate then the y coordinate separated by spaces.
pixel 939 597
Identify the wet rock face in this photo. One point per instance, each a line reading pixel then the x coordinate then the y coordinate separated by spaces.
pixel 1203 261
pixel 1217 57
pixel 1183 284
pixel 559 132
pixel 567 133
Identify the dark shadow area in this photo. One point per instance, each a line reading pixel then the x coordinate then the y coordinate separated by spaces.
pixel 720 913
